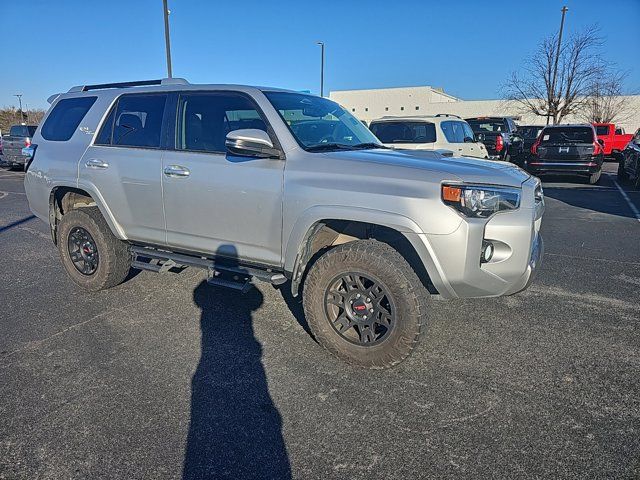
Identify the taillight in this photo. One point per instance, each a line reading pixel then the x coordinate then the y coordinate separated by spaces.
pixel 27 142
pixel 534 147
pixel 596 148
pixel 499 143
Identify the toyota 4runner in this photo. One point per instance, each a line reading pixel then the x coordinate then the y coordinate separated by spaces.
pixel 260 183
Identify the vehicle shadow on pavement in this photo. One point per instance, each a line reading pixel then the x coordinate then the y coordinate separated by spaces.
pixel 235 429
pixel 602 198
pixel 17 223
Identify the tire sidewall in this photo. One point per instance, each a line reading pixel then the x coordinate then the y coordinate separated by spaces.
pixel 407 310
pixel 78 218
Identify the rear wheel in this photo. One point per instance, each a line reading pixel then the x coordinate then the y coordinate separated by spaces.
pixel 365 304
pixel 92 256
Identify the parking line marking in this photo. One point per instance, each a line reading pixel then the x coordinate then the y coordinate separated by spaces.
pixel 633 208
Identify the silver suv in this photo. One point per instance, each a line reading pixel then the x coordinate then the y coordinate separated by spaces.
pixel 260 183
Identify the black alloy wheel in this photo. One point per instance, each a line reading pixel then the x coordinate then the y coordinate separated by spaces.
pixel 360 309
pixel 83 251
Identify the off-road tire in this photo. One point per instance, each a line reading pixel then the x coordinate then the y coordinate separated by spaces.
pixel 622 175
pixel 380 261
pixel 114 256
pixel 595 177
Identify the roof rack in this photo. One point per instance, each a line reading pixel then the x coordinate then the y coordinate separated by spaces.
pixel 140 83
pixel 447 115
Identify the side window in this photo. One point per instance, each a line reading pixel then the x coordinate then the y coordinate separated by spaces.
pixel 453 131
pixel 104 137
pixel 204 119
pixel 63 121
pixel 138 120
pixel 468 133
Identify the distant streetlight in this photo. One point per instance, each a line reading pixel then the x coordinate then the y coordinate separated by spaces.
pixel 321 68
pixel 167 42
pixel 555 65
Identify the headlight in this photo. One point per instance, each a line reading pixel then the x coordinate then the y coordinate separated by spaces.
pixel 480 201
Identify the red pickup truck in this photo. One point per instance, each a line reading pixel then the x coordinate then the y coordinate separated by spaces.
pixel 614 138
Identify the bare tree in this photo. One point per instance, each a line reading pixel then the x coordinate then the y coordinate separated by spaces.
pixel 579 67
pixel 606 102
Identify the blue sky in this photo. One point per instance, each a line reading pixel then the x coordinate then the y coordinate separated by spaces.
pixel 467 47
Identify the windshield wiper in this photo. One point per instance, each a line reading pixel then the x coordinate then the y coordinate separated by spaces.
pixel 365 146
pixel 320 147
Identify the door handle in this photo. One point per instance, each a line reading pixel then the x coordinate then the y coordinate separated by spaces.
pixel 96 163
pixel 176 171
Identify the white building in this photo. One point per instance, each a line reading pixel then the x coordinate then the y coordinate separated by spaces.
pixel 368 105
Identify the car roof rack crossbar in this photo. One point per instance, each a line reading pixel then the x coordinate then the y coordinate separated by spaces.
pixel 447 115
pixel 139 83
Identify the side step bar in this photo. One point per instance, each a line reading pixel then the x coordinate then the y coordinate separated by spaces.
pixel 220 272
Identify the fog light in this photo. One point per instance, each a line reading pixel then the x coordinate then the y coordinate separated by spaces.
pixel 487 252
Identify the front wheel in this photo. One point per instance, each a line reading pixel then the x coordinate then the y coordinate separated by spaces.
pixel 365 304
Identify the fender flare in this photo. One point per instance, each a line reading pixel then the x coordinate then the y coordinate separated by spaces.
pixel 93 192
pixel 309 222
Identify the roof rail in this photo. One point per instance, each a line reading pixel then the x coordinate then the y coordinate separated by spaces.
pixel 447 115
pixel 140 83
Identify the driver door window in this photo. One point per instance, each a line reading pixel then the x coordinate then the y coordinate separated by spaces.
pixel 204 119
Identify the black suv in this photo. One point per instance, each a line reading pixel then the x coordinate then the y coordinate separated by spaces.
pixel 567 149
pixel 499 135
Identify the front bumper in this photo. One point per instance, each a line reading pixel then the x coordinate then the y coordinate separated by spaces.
pixel 456 270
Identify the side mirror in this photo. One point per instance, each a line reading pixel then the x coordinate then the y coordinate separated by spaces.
pixel 601 142
pixel 251 142
pixel 469 140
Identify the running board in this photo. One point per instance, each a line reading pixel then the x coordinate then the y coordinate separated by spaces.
pixel 219 272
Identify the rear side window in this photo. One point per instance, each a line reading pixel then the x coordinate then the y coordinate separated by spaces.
pixel 404 132
pixel 136 121
pixel 65 118
pixel 204 119
pixel 602 130
pixel 567 135
pixel 454 131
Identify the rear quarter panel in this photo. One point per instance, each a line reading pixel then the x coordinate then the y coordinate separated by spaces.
pixel 55 163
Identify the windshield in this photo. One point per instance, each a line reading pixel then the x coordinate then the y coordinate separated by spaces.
pixel 567 135
pixel 404 132
pixel 488 125
pixel 529 133
pixel 320 124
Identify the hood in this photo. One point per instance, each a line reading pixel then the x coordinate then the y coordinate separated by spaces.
pixel 466 169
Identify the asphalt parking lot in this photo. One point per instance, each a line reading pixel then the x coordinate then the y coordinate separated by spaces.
pixel 165 377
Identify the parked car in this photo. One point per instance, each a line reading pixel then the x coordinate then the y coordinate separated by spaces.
pixel 12 145
pixel 529 134
pixel 499 135
pixel 259 183
pixel 629 166
pixel 614 138
pixel 569 150
pixel 429 132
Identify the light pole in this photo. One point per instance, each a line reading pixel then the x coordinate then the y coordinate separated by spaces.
pixel 166 36
pixel 19 95
pixel 321 68
pixel 555 65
